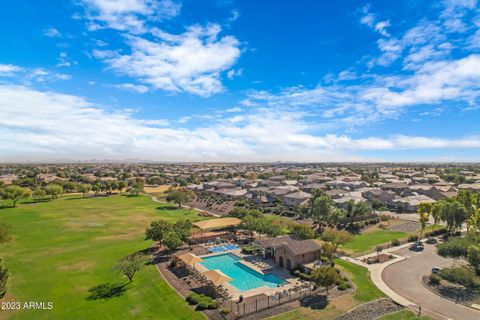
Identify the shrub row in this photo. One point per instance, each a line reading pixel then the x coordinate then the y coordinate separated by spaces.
pixel 202 301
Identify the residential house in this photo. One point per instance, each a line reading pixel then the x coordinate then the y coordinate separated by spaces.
pixel 296 199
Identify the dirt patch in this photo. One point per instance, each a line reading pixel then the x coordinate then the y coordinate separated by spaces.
pixel 121 236
pixel 406 226
pixel 79 266
pixel 159 189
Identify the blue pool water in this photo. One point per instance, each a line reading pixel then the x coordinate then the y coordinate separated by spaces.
pixel 244 278
pixel 224 248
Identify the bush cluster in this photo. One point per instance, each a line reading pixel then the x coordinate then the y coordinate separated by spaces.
pixel 202 301
pixel 412 238
pixel 395 242
pixel 434 278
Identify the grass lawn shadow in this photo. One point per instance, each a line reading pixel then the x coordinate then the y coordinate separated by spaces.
pixel 106 291
pixel 168 207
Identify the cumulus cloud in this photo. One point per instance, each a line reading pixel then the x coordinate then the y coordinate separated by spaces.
pixel 370 19
pixel 384 97
pixel 8 69
pixel 191 62
pixel 70 127
pixel 128 15
pixel 132 87
pixel 52 33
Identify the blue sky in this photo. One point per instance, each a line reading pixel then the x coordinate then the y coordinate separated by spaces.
pixel 223 80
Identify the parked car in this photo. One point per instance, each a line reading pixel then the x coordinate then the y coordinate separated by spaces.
pixel 416 247
pixel 436 270
pixel 431 241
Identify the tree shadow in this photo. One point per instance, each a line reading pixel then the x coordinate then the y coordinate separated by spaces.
pixel 106 291
pixel 314 301
pixel 168 207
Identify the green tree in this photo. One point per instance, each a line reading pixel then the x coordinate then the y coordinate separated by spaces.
pixel 336 237
pixel 183 228
pixel 39 194
pixel 54 190
pixel 358 209
pixel 84 188
pixel 121 185
pixel 16 193
pixel 424 210
pixel 130 265
pixel 454 214
pixel 473 257
pixel 137 187
pixel 157 231
pixel 328 251
pixel 325 277
pixel 321 209
pixel 302 231
pixel 436 213
pixel 69 186
pixel 3 279
pixel 177 196
pixel 172 241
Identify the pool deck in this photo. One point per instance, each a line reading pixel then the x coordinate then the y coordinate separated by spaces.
pixel 235 293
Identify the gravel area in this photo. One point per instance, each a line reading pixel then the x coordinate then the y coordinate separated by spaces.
pixel 371 310
pixel 408 226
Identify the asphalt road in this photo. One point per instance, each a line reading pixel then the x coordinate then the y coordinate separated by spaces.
pixel 404 278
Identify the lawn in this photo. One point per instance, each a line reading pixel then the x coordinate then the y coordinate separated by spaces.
pixel 366 242
pixel 366 291
pixel 403 315
pixel 61 249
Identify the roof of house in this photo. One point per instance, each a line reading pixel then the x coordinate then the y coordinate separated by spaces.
pixel 298 195
pixel 415 200
pixel 297 247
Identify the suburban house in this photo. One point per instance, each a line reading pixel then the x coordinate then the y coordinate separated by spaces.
pixel 289 253
pixel 397 187
pixel 384 196
pixel 475 187
pixel 411 203
pixel 296 199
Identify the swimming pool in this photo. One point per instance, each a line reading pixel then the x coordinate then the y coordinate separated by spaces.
pixel 244 278
pixel 226 247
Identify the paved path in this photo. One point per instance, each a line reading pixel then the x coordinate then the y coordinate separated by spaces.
pixel 404 278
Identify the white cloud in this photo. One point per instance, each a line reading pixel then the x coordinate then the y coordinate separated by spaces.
pixel 128 15
pixel 381 27
pixel 8 69
pixel 69 127
pixel 370 19
pixel 132 87
pixel 42 75
pixel 64 60
pixel 382 97
pixel 52 33
pixel 234 73
pixel 190 62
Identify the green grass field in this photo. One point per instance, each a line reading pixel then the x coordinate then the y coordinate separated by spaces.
pixel 366 242
pixel 61 249
pixel 366 290
pixel 403 315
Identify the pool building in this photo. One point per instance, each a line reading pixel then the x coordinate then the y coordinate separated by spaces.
pixel 290 253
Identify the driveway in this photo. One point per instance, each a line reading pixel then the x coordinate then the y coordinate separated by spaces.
pixel 404 278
